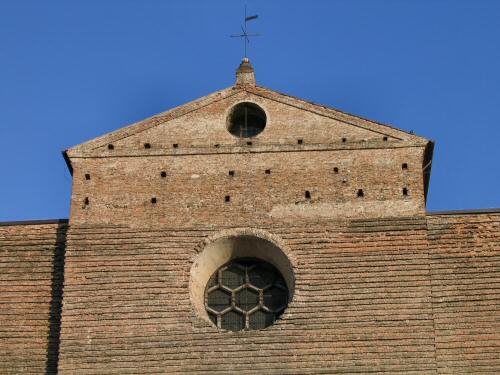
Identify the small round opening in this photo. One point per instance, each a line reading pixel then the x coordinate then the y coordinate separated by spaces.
pixel 246 120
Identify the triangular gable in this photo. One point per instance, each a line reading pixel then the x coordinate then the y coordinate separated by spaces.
pixel 197 105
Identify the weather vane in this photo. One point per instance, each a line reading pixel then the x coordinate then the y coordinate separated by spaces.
pixel 246 36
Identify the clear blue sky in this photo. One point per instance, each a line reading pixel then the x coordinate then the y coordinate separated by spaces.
pixel 73 70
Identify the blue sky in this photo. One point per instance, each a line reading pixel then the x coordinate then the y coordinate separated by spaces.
pixel 73 70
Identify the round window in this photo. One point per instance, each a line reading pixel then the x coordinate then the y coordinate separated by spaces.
pixel 246 294
pixel 246 120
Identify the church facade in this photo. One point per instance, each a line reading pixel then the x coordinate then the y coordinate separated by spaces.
pixel 251 232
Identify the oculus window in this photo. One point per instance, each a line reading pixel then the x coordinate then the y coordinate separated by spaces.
pixel 246 120
pixel 244 294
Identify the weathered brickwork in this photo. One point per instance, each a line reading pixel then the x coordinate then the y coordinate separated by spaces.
pixel 362 303
pixel 31 277
pixel 465 272
pixel 201 126
pixel 183 168
pixel 379 286
pixel 194 190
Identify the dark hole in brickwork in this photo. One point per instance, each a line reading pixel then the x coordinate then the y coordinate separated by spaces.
pixel 335 170
pixel 268 171
pixel 111 147
pixel 216 145
pixel 404 166
pixel 405 191
pixel 86 201
pixel 360 193
pixel 87 176
pixel 300 141
pixel 147 145
pixel 231 173
pixel 385 138
pixel 227 198
pixel 246 120
pixel 344 140
pixel 249 143
pixel 163 174
pixel 175 145
pixel 307 194
pixel 153 200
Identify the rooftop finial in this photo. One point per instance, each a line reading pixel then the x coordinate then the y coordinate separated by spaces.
pixel 245 75
pixel 246 36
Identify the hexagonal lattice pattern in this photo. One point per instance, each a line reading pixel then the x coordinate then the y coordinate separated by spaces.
pixel 260 319
pixel 246 294
pixel 233 276
pixel 247 299
pixel 218 300
pixel 261 275
pixel 233 321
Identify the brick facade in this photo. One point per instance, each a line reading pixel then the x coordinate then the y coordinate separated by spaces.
pixel 380 286
pixel 31 279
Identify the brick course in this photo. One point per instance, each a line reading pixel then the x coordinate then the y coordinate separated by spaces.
pixel 465 273
pixel 31 277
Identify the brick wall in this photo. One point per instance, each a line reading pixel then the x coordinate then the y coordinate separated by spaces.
pixel 400 295
pixel 31 277
pixel 465 273
pixel 362 303
pixel 117 176
pixel 194 190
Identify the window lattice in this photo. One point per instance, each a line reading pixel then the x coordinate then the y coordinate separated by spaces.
pixel 245 294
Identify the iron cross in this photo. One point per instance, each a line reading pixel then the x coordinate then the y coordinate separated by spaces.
pixel 246 36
